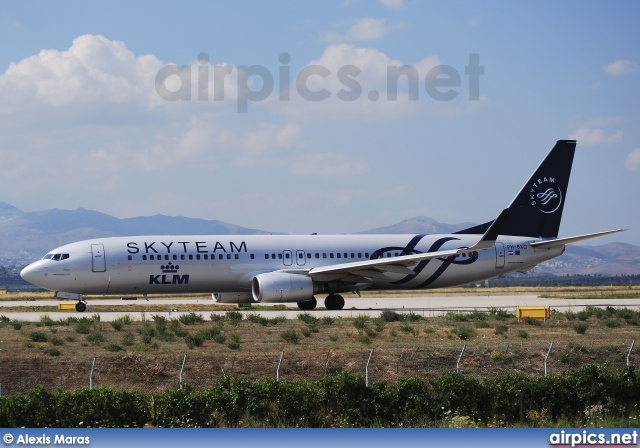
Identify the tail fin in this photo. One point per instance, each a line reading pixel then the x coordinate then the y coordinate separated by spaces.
pixel 537 210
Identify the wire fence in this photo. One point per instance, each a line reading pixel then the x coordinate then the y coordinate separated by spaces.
pixel 153 372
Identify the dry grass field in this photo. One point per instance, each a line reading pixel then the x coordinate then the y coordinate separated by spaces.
pixel 148 352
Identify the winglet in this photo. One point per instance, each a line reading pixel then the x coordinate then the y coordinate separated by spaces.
pixel 491 235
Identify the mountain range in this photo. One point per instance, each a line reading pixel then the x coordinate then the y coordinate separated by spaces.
pixel 27 236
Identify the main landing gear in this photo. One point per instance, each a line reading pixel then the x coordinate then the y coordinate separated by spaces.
pixel 332 302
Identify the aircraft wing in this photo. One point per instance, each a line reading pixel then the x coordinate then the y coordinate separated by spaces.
pixel 572 239
pixel 401 265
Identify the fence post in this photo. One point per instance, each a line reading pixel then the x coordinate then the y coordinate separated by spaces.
pixel 629 354
pixel 460 358
pixel 547 357
pixel 366 370
pixel 279 364
pixel 93 365
pixel 182 370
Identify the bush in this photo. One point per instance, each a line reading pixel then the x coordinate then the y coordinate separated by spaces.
pixel 501 329
pixel 38 336
pixel 47 321
pixel 390 316
pixel 465 333
pixel 360 321
pixel 580 327
pixel 290 336
pixel 191 318
pixel 111 347
pixel 522 334
pixel 308 318
pixel 531 321
pixel 52 352
pixel 128 339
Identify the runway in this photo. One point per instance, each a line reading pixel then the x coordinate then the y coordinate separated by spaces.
pixel 425 306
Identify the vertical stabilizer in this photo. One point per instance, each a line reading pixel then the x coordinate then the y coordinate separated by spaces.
pixel 537 210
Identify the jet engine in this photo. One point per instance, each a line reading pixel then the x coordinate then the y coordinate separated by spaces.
pixel 232 297
pixel 283 287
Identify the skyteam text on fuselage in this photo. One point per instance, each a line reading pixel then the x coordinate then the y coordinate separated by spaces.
pixel 296 268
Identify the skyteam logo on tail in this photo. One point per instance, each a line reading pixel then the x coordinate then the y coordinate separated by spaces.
pixel 545 195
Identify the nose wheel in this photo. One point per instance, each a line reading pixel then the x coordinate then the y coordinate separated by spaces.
pixel 81 306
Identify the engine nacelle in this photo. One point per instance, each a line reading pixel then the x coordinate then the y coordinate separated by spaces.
pixel 282 287
pixel 232 297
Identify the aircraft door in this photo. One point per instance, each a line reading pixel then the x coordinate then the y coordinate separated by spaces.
pixel 286 258
pixel 99 264
pixel 300 258
pixel 499 254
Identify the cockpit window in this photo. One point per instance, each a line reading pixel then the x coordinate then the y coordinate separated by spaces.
pixel 47 257
pixel 56 257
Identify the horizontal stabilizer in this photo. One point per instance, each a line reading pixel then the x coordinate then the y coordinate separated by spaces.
pixel 572 239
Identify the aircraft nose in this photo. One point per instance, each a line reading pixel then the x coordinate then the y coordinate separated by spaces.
pixel 30 273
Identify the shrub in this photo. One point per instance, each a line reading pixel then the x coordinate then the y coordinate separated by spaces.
pixel 117 324
pixel 531 321
pixel 16 325
pixel 465 333
pixel 234 316
pixel 522 334
pixel 128 339
pixel 111 347
pixel 193 341
pixel 38 336
pixel 46 321
pixel 501 329
pixel 360 322
pixel 482 324
pixel 95 338
pixel 306 332
pixel 390 316
pixel 191 318
pixel 580 327
pixel 308 318
pixel 613 323
pixel 52 352
pixel 290 336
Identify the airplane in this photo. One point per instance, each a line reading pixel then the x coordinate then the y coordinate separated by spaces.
pixel 295 268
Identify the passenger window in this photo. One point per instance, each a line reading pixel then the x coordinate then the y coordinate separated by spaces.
pixel 266 256
pixel 197 256
pixel 237 256
pixel 206 256
pixel 144 257
pixel 366 254
pixel 129 257
pixel 308 256
pixel 228 256
pixel 190 256
pixel 324 255
pixel 279 256
pixel 338 254
pixel 182 257
pixel 273 256
pixel 151 257
pixel 346 255
pixel 251 256
pixel 175 257
pixel 317 255
pixel 331 255
pixel 352 255
pixel 220 257
pixel 286 255
pixel 359 254
pixel 166 257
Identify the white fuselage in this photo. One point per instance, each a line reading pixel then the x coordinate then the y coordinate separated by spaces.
pixel 199 264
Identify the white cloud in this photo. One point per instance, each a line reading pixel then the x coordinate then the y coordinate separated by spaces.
pixel 395 4
pixel 595 136
pixel 632 163
pixel 368 29
pixel 620 67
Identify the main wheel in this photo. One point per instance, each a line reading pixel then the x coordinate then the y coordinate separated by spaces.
pixel 81 307
pixel 334 302
pixel 308 305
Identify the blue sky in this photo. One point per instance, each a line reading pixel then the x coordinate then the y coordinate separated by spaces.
pixel 83 123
